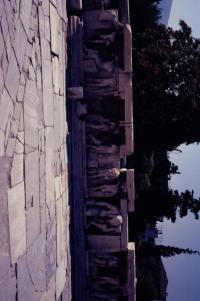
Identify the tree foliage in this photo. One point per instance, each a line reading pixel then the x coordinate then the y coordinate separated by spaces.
pixel 164 251
pixel 144 14
pixel 155 205
pixel 166 86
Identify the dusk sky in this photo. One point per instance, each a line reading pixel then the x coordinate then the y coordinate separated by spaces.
pixel 184 270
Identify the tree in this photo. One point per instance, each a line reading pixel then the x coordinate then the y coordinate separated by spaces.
pixel 153 206
pixel 164 251
pixel 144 14
pixel 166 87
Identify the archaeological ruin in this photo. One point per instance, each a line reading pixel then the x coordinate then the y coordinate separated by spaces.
pixel 66 128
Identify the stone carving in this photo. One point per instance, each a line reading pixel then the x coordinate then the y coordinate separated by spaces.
pixel 104 261
pixel 104 216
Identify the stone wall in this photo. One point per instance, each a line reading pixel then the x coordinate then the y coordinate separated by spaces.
pixel 34 209
pixel 101 127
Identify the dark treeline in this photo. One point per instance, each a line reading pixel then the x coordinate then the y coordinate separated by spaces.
pixel 166 82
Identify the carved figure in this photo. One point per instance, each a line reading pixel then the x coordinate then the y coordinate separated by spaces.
pixel 104 149
pixel 103 176
pixel 103 191
pixel 104 261
pixel 104 216
pixel 99 123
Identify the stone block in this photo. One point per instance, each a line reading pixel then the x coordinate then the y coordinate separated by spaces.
pixel 58 187
pixel 128 148
pixel 51 291
pixel 8 283
pixel 131 190
pixel 49 162
pixel 36 261
pixel 15 119
pixel 47 32
pixel 54 22
pixel 59 122
pixel 25 14
pixel 47 92
pixel 75 92
pixel 45 50
pixel 17 223
pixel 130 288
pixel 31 116
pixel 127 49
pixel 5 166
pixel 33 223
pixel 51 250
pixel 6 110
pixel 8 47
pixel 124 227
pixel 4 25
pixel 2 144
pixel 56 74
pixel 32 179
pixel 1 9
pixel 45 7
pixel 1 81
pixel 60 278
pixel 61 230
pixel 20 43
pixel 107 243
pixel 26 286
pixel 2 45
pixel 17 170
pixel 12 77
pixel 66 293
pixel 4 63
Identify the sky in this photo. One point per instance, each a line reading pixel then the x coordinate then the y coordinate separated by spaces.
pixel 184 270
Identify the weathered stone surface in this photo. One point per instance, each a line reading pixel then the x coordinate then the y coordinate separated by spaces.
pixel 2 145
pixel 60 278
pixel 33 231
pixel 31 116
pixel 50 198
pixel 8 279
pixel 4 25
pixel 1 81
pixel 108 243
pixel 51 291
pixel 25 13
pixel 26 289
pixel 47 92
pixel 32 179
pixel 2 45
pixel 12 77
pixel 6 109
pixel 45 50
pixel 37 262
pixel 54 21
pixel 66 293
pixel 51 250
pixel 47 32
pixel 5 166
pixel 10 146
pixel 33 223
pixel 45 7
pixel 61 238
pixel 59 122
pixel 20 43
pixel 17 223
pixel 17 170
pixel 56 74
